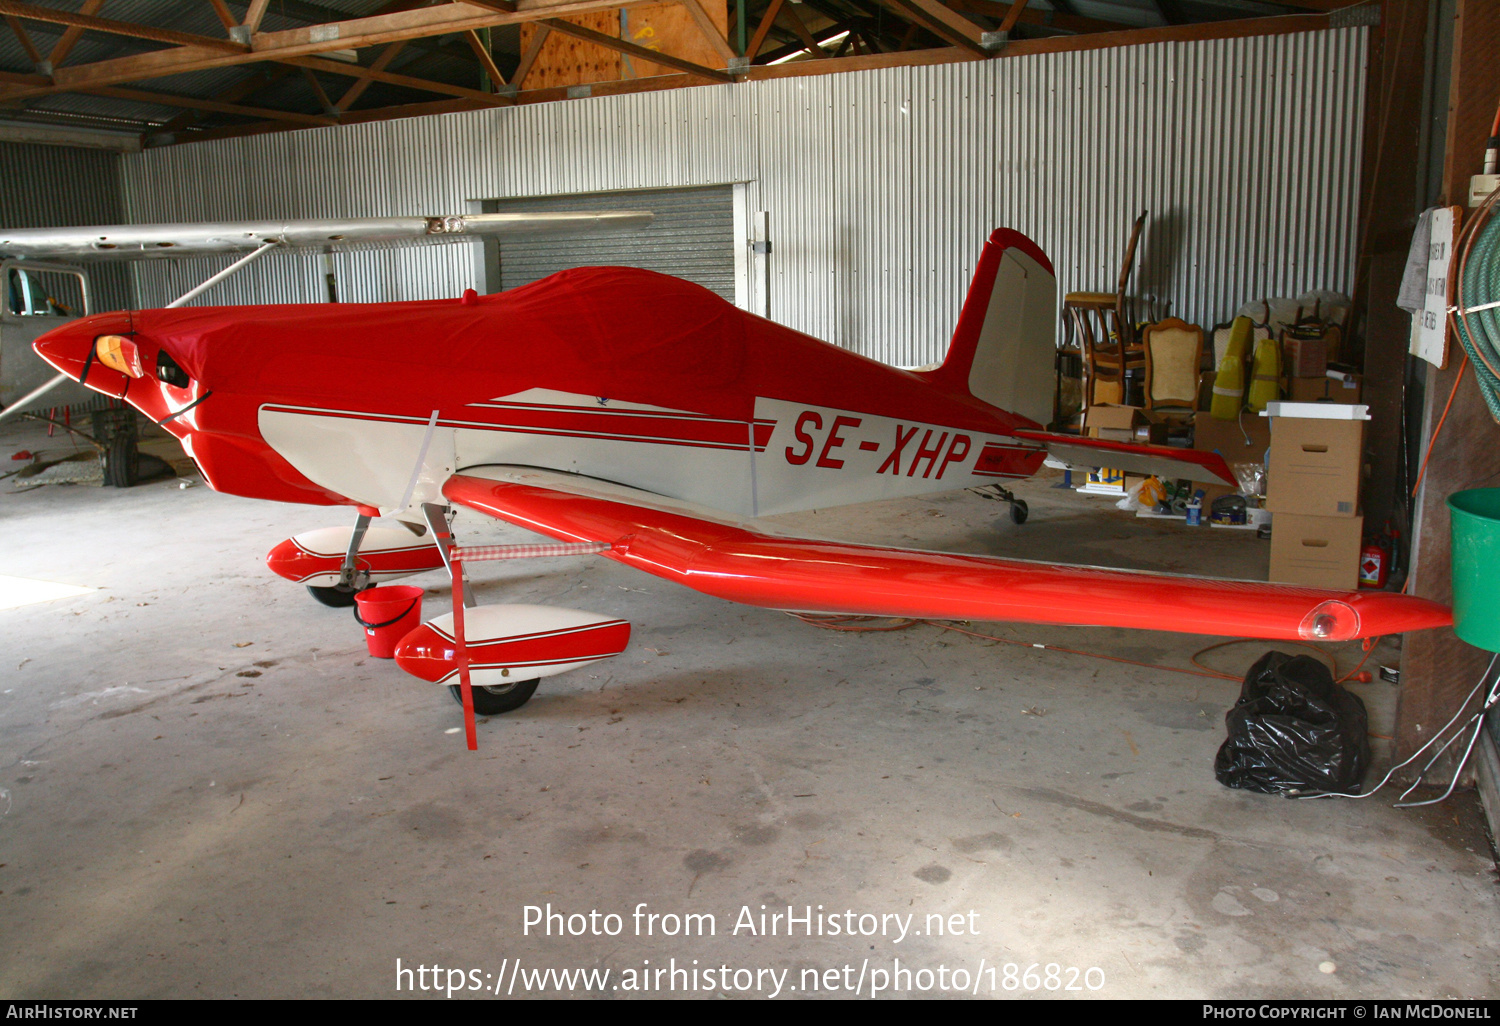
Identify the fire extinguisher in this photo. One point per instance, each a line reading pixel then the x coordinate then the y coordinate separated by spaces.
pixel 1375 563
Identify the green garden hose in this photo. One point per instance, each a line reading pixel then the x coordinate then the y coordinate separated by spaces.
pixel 1479 330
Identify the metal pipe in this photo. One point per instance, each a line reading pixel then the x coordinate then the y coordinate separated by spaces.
pixel 243 261
pixel 20 404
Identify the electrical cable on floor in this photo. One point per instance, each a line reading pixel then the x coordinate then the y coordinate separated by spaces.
pixel 1490 700
pixel 861 624
pixel 1478 720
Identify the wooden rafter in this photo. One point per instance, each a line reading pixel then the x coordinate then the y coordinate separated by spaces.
pixel 239 91
pixel 17 78
pixel 486 59
pixel 709 30
pixel 354 117
pixel 377 66
pixel 311 78
pixel 500 6
pixel 818 38
pixel 1236 29
pixel 758 40
pixel 194 103
pixel 1012 15
pixel 309 41
pixel 538 39
pixel 226 18
pixel 70 37
pixel 19 31
pixel 949 18
pixel 254 13
pixel 1320 5
pixel 427 85
pixel 938 19
pixel 943 55
pixel 654 56
pixel 79 22
pixel 809 42
pixel 1050 19
pixel 398 23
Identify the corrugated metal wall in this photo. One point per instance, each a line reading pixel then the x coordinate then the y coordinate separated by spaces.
pixel 58 186
pixel 881 185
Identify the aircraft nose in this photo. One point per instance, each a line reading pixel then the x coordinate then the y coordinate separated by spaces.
pixel 67 348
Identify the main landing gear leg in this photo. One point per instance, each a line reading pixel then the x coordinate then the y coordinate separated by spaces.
pixel 442 536
pixel 352 579
pixel 999 493
pixel 485 701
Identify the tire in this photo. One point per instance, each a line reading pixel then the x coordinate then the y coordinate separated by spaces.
pixel 122 462
pixel 335 595
pixel 494 701
pixel 1018 511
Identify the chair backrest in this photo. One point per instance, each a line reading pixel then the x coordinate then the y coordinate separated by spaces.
pixel 1174 350
pixel 1129 264
pixel 1221 342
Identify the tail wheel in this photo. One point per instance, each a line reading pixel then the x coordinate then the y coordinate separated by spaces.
pixel 494 701
pixel 1018 511
pixel 339 596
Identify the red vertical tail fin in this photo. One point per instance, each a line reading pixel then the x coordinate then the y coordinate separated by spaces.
pixel 1004 344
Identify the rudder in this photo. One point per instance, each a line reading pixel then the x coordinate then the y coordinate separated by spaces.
pixel 1004 343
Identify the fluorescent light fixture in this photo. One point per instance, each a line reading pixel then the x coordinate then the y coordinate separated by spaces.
pixel 832 41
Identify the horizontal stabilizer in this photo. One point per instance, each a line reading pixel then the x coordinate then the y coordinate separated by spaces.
pixel 744 561
pixel 1161 460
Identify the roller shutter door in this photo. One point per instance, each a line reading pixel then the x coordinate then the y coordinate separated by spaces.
pixel 691 237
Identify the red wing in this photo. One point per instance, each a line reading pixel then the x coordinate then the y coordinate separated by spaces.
pixel 1161 460
pixel 747 562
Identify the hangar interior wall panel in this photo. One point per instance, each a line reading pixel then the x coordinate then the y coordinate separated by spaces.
pixel 691 236
pixel 64 186
pixel 881 185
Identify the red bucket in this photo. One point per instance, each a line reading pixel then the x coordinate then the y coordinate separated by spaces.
pixel 388 614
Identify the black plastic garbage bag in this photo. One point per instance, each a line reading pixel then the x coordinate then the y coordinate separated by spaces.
pixel 1294 729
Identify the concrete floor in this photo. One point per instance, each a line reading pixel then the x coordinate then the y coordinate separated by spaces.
pixel 207 787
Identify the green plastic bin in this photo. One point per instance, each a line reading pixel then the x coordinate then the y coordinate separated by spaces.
pixel 1475 526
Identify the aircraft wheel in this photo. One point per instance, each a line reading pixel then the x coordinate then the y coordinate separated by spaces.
pixel 336 595
pixel 122 462
pixel 1018 511
pixel 494 701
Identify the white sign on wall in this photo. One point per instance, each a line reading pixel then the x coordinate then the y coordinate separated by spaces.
pixel 1429 325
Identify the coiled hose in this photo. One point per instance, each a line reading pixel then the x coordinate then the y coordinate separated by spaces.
pixel 1479 330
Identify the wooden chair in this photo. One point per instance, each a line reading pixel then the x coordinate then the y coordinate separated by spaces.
pixel 1104 325
pixel 1173 351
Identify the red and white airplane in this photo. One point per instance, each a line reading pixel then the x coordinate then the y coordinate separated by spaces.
pixel 643 418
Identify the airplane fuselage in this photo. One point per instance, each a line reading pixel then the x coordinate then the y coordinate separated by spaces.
pixel 617 374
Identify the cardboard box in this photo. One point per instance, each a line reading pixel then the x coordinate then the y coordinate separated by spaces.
pixel 1343 388
pixel 1315 466
pixel 1304 357
pixel 1239 441
pixel 1318 552
pixel 1123 424
pixel 1114 423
